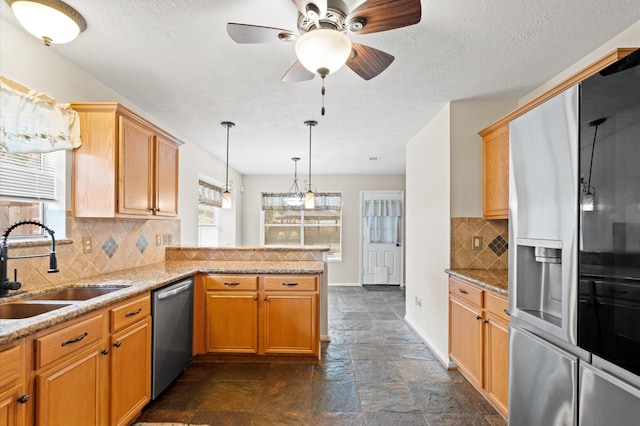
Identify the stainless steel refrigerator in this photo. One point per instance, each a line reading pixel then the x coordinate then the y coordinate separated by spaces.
pixel 553 378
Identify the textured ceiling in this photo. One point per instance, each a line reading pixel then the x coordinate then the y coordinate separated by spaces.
pixel 174 59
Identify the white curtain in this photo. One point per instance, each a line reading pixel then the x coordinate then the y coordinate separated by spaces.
pixel 32 122
pixel 383 221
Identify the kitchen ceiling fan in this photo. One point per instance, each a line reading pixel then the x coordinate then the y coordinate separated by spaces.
pixel 322 45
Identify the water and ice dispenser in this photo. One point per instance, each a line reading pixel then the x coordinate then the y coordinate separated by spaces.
pixel 539 269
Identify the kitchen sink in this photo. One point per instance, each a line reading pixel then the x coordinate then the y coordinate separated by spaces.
pixel 26 310
pixel 75 293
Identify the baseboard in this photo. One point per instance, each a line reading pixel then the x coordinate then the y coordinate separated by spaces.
pixel 344 285
pixel 444 359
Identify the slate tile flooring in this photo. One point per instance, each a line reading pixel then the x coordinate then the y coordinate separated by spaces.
pixel 375 371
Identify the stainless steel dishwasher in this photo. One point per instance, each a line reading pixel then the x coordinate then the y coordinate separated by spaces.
pixel 172 313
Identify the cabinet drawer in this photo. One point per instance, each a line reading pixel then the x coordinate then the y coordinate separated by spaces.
pixel 232 282
pixel 69 339
pixel 497 305
pixel 10 365
pixel 464 291
pixel 130 312
pixel 291 283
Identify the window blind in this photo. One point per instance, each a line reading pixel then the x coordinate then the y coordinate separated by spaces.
pixel 29 177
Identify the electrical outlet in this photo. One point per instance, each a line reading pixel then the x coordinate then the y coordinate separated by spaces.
pixel 418 301
pixel 87 246
pixel 476 243
pixel 158 239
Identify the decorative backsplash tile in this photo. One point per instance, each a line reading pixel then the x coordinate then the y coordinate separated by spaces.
pixel 142 244
pixel 493 250
pixel 118 244
pixel 110 246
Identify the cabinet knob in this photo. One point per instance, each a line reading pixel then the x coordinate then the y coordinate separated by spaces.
pixel 265 299
pixel 117 344
pixel 478 317
pixel 506 311
pixel 23 399
pixel 255 297
pixel 484 321
pixel 105 352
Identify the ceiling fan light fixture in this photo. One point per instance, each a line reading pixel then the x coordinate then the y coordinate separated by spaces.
pixel 323 48
pixel 52 21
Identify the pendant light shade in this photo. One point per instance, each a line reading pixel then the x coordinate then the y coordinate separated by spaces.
pixel 52 21
pixel 226 195
pixel 310 196
pixel 323 51
pixel 294 197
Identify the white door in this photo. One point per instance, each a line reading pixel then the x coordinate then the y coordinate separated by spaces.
pixel 381 237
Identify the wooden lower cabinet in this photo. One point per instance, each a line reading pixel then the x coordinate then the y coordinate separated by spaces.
pixel 130 371
pixel 252 314
pixel 479 339
pixel 14 398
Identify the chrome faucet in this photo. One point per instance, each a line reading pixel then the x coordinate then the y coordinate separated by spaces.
pixel 5 284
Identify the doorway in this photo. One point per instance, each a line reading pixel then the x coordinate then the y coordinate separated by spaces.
pixel 381 237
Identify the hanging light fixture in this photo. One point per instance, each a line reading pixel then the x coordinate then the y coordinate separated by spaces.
pixel 310 196
pixel 588 191
pixel 52 21
pixel 226 195
pixel 294 197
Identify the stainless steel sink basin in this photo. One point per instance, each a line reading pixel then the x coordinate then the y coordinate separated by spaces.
pixel 75 293
pixel 26 310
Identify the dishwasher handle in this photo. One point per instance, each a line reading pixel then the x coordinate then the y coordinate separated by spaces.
pixel 172 292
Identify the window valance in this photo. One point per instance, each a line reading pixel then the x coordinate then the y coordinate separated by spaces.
pixel 323 201
pixel 32 122
pixel 209 194
pixel 382 208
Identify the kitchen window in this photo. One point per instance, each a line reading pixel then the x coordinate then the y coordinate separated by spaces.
pixel 209 203
pixel 32 188
pixel 295 226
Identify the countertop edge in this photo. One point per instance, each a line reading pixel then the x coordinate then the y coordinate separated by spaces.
pixel 492 287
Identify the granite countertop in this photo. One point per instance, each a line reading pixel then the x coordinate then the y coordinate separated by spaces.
pixel 496 280
pixel 136 281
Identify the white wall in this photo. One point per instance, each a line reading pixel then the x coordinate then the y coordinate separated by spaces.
pixel 29 62
pixel 347 271
pixel 444 180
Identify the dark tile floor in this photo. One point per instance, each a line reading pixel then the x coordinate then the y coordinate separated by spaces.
pixel 375 371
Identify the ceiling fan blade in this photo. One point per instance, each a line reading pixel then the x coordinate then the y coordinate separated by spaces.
pixel 383 15
pixel 320 4
pixel 245 33
pixel 368 62
pixel 297 73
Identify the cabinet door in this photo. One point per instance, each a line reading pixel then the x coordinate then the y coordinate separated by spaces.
pixel 13 401
pixel 73 392
pixel 497 365
pixel 166 178
pixel 130 371
pixel 232 321
pixel 495 174
pixel 290 323
pixel 135 184
pixel 465 339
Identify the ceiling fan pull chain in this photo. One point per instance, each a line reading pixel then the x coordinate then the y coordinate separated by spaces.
pixel 322 91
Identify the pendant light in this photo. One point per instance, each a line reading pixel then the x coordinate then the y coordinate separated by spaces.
pixel 294 198
pixel 226 195
pixel 310 196
pixel 588 191
pixel 52 21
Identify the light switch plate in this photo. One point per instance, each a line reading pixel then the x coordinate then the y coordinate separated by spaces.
pixel 158 239
pixel 476 242
pixel 87 245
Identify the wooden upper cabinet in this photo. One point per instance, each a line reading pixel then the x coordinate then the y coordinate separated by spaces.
pixel 495 141
pixel 495 174
pixel 126 166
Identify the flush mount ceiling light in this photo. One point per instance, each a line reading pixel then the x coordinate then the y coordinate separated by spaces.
pixel 310 196
pixel 226 195
pixel 52 21
pixel 294 197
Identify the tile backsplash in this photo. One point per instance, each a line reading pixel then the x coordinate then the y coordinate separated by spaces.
pixel 115 244
pixel 492 252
